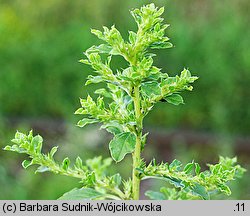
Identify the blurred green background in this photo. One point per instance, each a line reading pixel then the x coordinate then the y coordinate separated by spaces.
pixel 41 82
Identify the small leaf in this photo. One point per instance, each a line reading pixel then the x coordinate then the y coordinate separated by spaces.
pixel 103 92
pixel 174 99
pixel 80 111
pixel 93 79
pixel 81 194
pixel 53 151
pixel 84 61
pixel 117 179
pixel 188 168
pixel 103 48
pixel 36 143
pixel 65 163
pixel 175 165
pixel 121 145
pixel 26 164
pixel 153 195
pixel 161 45
pixel 132 37
pixel 224 189
pixel 98 33
pixel 85 122
pixel 197 168
pixel 78 162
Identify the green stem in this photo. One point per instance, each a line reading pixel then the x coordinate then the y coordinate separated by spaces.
pixel 137 152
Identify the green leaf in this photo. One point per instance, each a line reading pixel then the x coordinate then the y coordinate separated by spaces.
pixel 78 163
pixel 93 79
pixel 188 168
pixel 104 48
pixel 161 45
pixel 174 99
pixel 26 164
pixel 65 163
pixel 121 145
pixel 175 165
pixel 85 122
pixel 201 191
pixel 132 37
pixel 53 151
pixel 98 33
pixel 151 88
pixel 153 195
pixel 36 143
pixel 116 179
pixel 197 168
pixel 224 189
pixel 103 92
pixel 81 194
pixel 113 127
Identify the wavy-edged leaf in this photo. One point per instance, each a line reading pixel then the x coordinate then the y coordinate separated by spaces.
pixel 151 89
pixel 93 79
pixel 174 99
pixel 121 145
pixel 161 45
pixel 85 122
pixel 103 92
pixel 26 164
pixel 112 127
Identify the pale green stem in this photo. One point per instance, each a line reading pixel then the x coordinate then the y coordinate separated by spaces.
pixel 137 152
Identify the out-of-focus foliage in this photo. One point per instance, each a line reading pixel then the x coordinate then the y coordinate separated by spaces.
pixel 40 43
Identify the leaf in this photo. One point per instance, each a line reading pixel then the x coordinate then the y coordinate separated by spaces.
pixel 132 37
pixel 224 189
pixel 26 164
pixel 112 127
pixel 36 143
pixel 117 179
pixel 65 163
pixel 84 61
pixel 161 45
pixel 174 181
pixel 53 151
pixel 188 168
pixel 175 165
pixel 197 168
pixel 200 190
pixel 174 99
pixel 121 145
pixel 151 88
pixel 98 33
pixel 85 122
pixel 153 195
pixel 93 79
pixel 81 194
pixel 78 163
pixel 103 92
pixel 104 48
